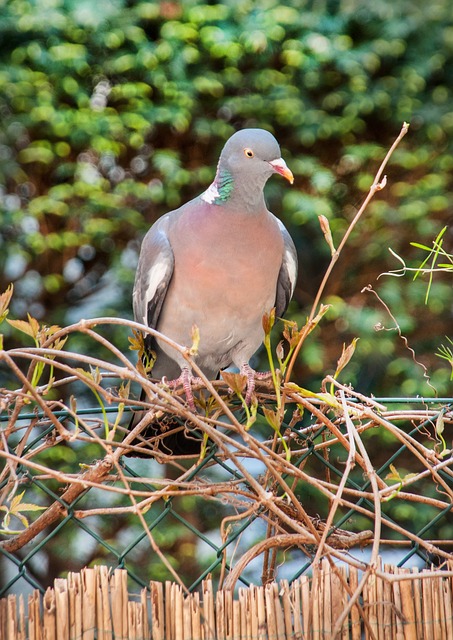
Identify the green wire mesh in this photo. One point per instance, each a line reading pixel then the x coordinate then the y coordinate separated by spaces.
pixel 186 530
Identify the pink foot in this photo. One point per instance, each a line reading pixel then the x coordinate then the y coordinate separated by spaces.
pixel 252 376
pixel 186 379
pixel 249 373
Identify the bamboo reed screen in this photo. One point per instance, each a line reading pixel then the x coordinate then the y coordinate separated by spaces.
pixel 94 605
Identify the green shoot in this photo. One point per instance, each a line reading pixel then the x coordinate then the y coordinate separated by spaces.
pixel 95 376
pixel 433 253
pixel 446 353
pixel 16 509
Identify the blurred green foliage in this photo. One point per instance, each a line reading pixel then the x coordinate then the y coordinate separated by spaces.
pixel 112 113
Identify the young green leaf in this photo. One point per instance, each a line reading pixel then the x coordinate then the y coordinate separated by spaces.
pixel 195 340
pixel 325 228
pixel 5 299
pixel 345 357
pixel 30 327
pixel 272 417
pixel 16 509
pixel 268 321
pixel 236 381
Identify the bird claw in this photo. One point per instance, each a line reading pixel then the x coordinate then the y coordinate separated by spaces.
pixel 250 374
pixel 186 379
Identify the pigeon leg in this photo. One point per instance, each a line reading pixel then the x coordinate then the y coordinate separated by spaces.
pixel 186 379
pixel 249 373
pixel 252 376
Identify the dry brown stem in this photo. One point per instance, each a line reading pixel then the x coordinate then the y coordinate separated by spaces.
pixel 341 427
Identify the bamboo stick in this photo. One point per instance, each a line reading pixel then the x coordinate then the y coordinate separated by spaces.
pixel 144 602
pixel 285 593
pixel 48 615
pixel 248 613
pixel 389 611
pixel 99 606
pixel 270 612
pixel 248 599
pixel 88 604
pixel 339 599
pixel 91 605
pixel 186 618
pixel 448 607
pixel 306 608
pixel 169 619
pixel 104 599
pixel 178 611
pixel 22 634
pixel 296 608
pixel 228 605
pixel 131 634
pixel 3 618
pixel 437 615
pixel 279 613
pixel 220 616
pixel 208 611
pixel 31 618
pixel 138 619
pixel 244 618
pixel 34 618
pixel 196 615
pixel 118 595
pixel 380 604
pixel 325 598
pixel 251 608
pixel 75 605
pixel 236 629
pixel 124 597
pixel 356 625
pixel 366 596
pixel 371 609
pixel 396 586
pixel 157 611
pixel 408 608
pixel 416 583
pixel 11 612
pixel 62 608
pixel 427 608
pixel 140 625
pixel 440 596
pixel 258 613
pixel 316 625
pixel 256 616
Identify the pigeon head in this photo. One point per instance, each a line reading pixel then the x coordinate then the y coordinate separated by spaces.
pixel 254 152
pixel 247 161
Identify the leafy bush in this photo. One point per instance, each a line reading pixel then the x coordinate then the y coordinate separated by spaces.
pixel 109 118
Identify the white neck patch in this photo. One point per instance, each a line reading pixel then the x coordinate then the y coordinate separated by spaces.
pixel 211 193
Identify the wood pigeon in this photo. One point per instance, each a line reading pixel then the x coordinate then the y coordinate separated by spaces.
pixel 220 262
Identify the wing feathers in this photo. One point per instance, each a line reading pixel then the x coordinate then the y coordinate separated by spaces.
pixel 154 272
pixel 287 276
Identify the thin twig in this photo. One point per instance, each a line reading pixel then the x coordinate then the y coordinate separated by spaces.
pixel 377 185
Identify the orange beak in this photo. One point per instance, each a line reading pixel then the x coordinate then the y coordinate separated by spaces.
pixel 280 166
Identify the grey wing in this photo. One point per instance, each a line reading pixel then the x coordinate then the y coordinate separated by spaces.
pixel 288 273
pixel 154 272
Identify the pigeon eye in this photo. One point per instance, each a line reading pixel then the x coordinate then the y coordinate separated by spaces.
pixel 249 153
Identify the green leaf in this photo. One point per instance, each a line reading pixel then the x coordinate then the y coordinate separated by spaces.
pixel 5 299
pixel 30 328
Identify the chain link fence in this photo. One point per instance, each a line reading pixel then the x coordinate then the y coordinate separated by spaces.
pixel 344 477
